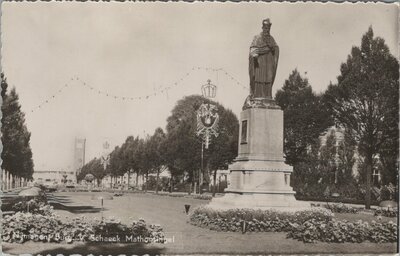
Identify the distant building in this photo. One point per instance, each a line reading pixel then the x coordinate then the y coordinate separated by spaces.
pixel 79 154
pixel 338 132
pixel 133 180
pixel 339 136
pixel 54 176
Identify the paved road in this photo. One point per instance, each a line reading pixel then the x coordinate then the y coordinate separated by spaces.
pixel 188 239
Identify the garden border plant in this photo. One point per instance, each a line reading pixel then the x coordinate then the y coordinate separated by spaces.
pixel 342 208
pixel 315 224
pixel 45 226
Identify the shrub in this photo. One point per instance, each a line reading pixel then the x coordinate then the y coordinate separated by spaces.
pixel 256 220
pixel 308 225
pixel 111 227
pixel 386 212
pixel 343 231
pixel 202 197
pixel 24 226
pixel 176 195
pixel 388 192
pixel 35 206
pixel 342 208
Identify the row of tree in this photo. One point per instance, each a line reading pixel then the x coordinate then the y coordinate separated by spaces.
pixel 16 152
pixel 178 149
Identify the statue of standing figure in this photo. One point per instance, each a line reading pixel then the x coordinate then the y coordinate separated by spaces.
pixel 263 62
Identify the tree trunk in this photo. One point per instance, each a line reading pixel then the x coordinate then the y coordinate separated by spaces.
pixel 157 179
pixel 129 178
pixel 3 180
pixel 147 181
pixel 12 181
pixel 215 181
pixel 137 180
pixel 368 181
pixel 9 181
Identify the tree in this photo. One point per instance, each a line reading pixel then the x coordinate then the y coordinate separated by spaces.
pixel 117 166
pixel 346 160
pixel 310 178
pixel 328 158
pixel 130 156
pixel 156 150
pixel 305 117
pixel 137 163
pixel 183 150
pixel 224 148
pixel 95 168
pixel 365 100
pixel 145 157
pixel 17 153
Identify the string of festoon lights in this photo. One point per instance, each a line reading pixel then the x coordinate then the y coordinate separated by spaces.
pixel 160 90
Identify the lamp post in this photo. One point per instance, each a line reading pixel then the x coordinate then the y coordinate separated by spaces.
pixel 207 121
pixel 102 197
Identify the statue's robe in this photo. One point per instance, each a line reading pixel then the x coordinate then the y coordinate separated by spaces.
pixel 262 68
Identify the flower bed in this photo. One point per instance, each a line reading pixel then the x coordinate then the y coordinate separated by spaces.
pixel 344 231
pixel 342 208
pixel 47 227
pixel 316 224
pixel 34 206
pixel 386 212
pixel 202 197
pixel 256 220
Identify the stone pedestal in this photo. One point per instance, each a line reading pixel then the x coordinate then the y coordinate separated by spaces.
pixel 259 177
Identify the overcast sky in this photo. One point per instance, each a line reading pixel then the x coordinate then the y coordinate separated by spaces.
pixel 136 49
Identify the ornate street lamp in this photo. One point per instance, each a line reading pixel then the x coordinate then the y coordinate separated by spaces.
pixel 105 158
pixel 207 120
pixel 207 115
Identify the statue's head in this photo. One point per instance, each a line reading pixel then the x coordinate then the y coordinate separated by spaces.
pixel 266 26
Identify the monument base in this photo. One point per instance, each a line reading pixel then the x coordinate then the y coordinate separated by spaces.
pixel 279 202
pixel 259 177
pixel 259 185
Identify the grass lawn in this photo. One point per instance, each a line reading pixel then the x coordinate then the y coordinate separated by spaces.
pixel 188 239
